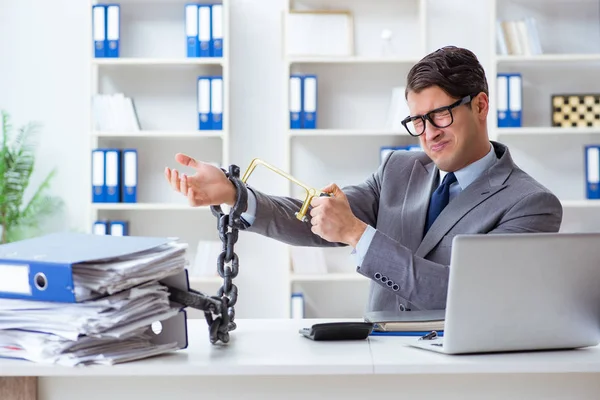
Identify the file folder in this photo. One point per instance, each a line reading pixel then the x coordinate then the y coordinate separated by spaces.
pixel 112 164
pixel 216 103
pixel 191 30
pixel 113 29
pixel 295 101
pixel 98 177
pixel 99 30
pixel 130 175
pixel 41 268
pixel 119 228
pixel 100 228
pixel 297 305
pixel 502 100
pixel 309 108
pixel 205 119
pixel 592 171
pixel 204 30
pixel 217 30
pixel 515 99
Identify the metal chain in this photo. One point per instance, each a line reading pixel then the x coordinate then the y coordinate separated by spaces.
pixel 228 226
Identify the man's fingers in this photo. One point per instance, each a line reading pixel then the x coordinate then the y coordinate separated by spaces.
pixel 186 160
pixel 183 184
pixel 175 180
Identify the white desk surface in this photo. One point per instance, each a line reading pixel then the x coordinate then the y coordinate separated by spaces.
pixel 274 347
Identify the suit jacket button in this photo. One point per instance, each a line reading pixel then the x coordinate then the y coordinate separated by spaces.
pixel 401 307
pixel 384 279
pixel 377 275
pixel 390 283
pixel 395 287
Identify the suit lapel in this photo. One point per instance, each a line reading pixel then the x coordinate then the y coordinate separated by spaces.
pixel 414 210
pixel 481 189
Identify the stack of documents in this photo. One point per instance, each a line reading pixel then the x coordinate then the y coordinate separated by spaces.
pixel 74 299
pixel 406 321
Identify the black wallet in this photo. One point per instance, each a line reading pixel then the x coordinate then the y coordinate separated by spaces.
pixel 338 331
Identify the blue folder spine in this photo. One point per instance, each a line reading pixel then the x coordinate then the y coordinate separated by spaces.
pixel 191 30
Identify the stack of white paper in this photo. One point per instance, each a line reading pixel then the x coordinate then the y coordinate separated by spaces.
pixel 111 276
pixel 107 330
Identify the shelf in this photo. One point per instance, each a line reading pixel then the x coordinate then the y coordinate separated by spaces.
pixel 546 131
pixel 548 58
pixel 158 61
pixel 345 132
pixel 160 134
pixel 329 277
pixel 199 280
pixel 581 203
pixel 352 60
pixel 147 206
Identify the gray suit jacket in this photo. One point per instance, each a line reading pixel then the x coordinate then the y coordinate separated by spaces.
pixel 409 270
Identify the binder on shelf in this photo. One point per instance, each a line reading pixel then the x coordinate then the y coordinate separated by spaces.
pixel 592 171
pixel 386 150
pixel 204 117
pixel 297 306
pixel 295 101
pixel 98 176
pixel 191 30
pixel 216 102
pixel 502 100
pixel 204 30
pixel 217 30
pixel 99 30
pixel 309 102
pixel 515 99
pixel 130 176
pixel 119 228
pixel 112 165
pixel 113 30
pixel 100 228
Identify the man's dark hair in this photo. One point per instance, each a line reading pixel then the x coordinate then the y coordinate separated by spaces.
pixel 455 70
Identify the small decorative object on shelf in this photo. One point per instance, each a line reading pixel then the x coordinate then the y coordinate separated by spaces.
pixel 576 110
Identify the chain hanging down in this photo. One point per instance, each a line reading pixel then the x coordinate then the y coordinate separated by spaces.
pixel 228 226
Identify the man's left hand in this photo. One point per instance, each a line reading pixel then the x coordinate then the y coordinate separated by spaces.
pixel 333 220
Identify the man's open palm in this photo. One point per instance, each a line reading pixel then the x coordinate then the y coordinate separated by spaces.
pixel 208 186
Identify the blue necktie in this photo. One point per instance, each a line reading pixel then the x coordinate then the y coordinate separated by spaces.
pixel 439 199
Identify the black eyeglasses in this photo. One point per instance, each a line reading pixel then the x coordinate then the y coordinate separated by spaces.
pixel 440 117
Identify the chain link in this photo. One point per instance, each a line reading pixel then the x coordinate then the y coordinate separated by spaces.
pixel 228 226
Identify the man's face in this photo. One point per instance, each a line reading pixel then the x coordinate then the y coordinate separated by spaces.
pixel 457 145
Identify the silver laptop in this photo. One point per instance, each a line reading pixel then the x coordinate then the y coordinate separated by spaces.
pixel 519 292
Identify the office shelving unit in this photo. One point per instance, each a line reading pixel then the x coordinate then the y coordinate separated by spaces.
pixel 153 70
pixel 353 98
pixel 553 155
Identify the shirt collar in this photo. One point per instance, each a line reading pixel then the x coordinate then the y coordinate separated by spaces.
pixel 468 174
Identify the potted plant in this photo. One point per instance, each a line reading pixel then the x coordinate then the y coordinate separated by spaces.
pixel 20 219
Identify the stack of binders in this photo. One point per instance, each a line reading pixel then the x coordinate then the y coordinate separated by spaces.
pixel 114 175
pixel 303 101
pixel 204 30
pixel 210 103
pixel 76 299
pixel 106 26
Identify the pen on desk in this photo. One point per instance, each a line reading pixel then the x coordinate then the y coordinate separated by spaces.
pixel 404 333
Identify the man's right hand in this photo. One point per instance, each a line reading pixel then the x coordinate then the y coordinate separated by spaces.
pixel 208 186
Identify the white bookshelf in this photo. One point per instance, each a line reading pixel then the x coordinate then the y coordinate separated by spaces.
pixel 553 155
pixel 353 98
pixel 154 71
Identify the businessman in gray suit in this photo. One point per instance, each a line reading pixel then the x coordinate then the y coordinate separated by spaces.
pixel 401 221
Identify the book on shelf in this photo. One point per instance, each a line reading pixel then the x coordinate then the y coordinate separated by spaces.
pixel 114 112
pixel 518 37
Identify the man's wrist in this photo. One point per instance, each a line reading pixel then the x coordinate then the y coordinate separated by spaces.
pixel 356 232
